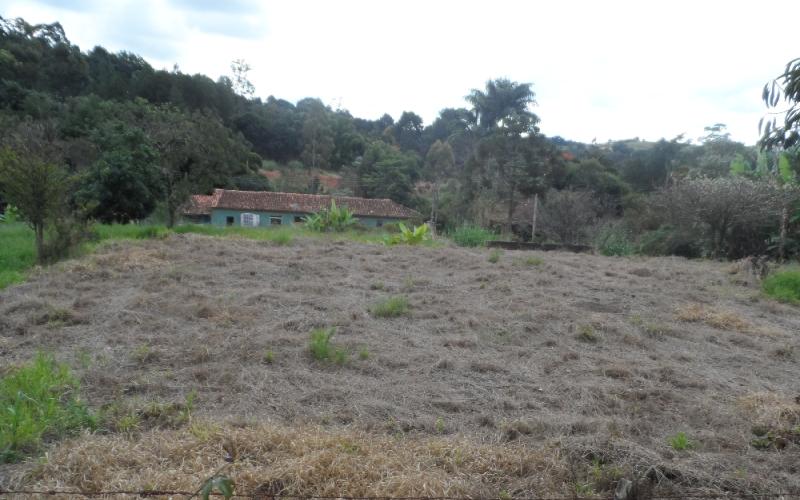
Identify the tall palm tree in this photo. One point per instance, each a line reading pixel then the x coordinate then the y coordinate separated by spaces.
pixel 504 105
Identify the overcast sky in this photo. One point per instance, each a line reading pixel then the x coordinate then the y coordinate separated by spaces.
pixel 600 69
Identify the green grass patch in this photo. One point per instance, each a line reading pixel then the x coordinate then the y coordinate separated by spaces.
pixel 532 261
pixel 390 308
pixel 680 442
pixel 38 401
pixel 494 256
pixel 321 348
pixel 783 285
pixel 18 249
pixel 17 253
pixel 471 236
pixel 129 232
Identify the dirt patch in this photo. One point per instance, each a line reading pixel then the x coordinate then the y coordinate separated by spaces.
pixel 483 348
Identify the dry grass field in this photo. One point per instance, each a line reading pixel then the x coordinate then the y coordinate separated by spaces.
pixel 541 373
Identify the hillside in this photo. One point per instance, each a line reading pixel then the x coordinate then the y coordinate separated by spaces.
pixel 542 373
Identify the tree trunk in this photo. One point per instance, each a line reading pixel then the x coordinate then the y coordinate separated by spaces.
pixel 782 242
pixel 535 213
pixel 38 229
pixel 434 202
pixel 510 221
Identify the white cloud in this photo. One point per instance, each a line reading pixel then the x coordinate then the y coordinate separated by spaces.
pixel 600 69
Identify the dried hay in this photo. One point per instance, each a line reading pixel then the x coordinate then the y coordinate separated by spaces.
pixel 723 320
pixel 299 461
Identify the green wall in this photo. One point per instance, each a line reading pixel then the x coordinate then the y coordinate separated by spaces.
pixel 219 218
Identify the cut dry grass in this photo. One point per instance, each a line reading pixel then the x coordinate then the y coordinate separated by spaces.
pixel 301 461
pixel 723 320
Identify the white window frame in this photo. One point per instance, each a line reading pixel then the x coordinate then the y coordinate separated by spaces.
pixel 248 219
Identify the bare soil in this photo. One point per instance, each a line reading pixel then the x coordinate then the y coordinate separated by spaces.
pixel 589 361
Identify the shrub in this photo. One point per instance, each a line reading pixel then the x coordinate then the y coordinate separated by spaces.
pixel 680 442
pixel 320 344
pixel 37 400
pixel 10 216
pixel 471 236
pixel 494 257
pixel 668 241
pixel 783 285
pixel 408 236
pixel 363 354
pixel 586 333
pixel 614 241
pixel 331 219
pixel 390 308
pixel 532 261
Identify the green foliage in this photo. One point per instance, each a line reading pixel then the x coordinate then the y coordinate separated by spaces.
pixel 783 90
pixel 17 253
pixel 471 236
pixel 363 354
pixel 391 307
pixel 532 261
pixel 439 425
pixel 587 333
pixel 222 484
pixel 494 256
pixel 123 184
pixel 408 236
pixel 269 356
pixel 614 241
pixel 321 348
pixel 387 172
pixel 36 186
pixel 10 216
pixel 783 285
pixel 38 401
pixel 680 442
pixel 331 219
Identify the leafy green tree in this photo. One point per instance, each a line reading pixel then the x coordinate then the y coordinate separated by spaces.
pixel 386 172
pixel 317 134
pixel 123 184
pixel 509 151
pixel 33 181
pixel 783 91
pixel 195 154
pixel 407 132
pixel 241 84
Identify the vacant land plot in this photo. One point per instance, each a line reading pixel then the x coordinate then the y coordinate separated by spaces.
pixel 527 373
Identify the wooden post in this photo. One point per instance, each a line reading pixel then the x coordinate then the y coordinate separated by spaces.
pixel 535 210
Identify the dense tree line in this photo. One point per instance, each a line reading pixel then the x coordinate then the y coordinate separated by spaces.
pixel 133 140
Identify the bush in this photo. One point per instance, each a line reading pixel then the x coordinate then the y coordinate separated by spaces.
pixel 63 238
pixel 390 308
pixel 331 219
pixel 668 241
pixel 321 348
pixel 494 257
pixel 10 216
pixel 680 442
pixel 320 344
pixel 471 236
pixel 38 400
pixel 613 240
pixel 408 236
pixel 783 285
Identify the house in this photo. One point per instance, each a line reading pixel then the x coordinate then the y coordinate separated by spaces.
pixel 227 207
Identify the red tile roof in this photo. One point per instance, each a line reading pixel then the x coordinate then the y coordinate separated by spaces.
pixel 200 204
pixel 267 201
